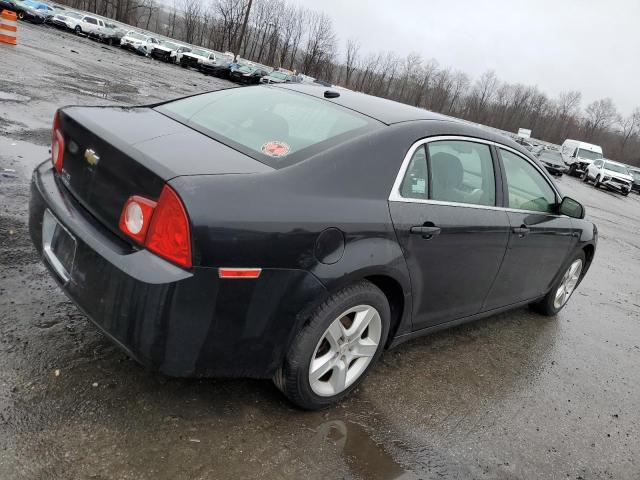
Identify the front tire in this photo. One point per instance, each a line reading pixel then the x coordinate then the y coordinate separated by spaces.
pixel 564 287
pixel 333 353
pixel 78 30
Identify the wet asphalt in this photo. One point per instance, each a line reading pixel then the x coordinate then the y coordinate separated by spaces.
pixel 513 396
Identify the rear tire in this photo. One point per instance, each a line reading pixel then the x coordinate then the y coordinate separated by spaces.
pixel 563 288
pixel 596 182
pixel 333 353
pixel 585 179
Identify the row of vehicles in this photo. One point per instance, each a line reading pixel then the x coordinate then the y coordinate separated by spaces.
pixel 586 161
pixel 223 65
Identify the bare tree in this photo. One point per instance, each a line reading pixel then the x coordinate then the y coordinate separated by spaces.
pixel 629 127
pixel 600 115
pixel 353 49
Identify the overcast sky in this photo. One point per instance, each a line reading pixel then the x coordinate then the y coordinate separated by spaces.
pixel 588 45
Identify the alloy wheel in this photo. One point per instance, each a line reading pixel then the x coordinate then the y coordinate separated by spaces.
pixel 345 350
pixel 568 283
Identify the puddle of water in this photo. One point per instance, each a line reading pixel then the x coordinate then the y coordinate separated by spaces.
pixel 21 156
pixel 362 455
pixel 13 97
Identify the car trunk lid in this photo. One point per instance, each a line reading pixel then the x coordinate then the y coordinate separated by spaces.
pixel 114 153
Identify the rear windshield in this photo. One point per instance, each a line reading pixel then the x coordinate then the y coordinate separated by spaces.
pixel 551 155
pixel 137 36
pixel 273 125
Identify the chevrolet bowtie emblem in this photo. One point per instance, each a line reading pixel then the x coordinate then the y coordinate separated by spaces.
pixel 91 157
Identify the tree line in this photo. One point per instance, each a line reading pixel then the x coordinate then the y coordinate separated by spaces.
pixel 297 38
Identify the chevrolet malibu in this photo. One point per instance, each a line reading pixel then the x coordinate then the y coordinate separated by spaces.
pixel 295 233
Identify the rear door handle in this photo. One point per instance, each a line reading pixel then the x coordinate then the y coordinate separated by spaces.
pixel 426 232
pixel 521 231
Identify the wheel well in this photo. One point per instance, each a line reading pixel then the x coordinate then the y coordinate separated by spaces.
pixel 589 251
pixel 393 291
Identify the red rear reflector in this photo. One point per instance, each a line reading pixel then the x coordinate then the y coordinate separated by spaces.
pixel 57 143
pixel 136 217
pixel 239 272
pixel 168 234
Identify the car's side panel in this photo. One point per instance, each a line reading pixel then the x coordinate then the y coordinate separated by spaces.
pixel 451 272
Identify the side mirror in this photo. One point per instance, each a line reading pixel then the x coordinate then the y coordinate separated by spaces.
pixel 571 208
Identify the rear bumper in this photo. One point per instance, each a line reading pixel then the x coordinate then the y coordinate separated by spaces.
pixel 180 323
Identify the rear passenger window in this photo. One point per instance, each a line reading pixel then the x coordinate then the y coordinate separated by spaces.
pixel 528 190
pixel 461 172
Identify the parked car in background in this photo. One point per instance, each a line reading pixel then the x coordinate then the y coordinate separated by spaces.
pixel 579 155
pixel 612 175
pixel 196 56
pixel 278 76
pixel 168 51
pixel 248 75
pixel 67 20
pixel 552 161
pixel 524 143
pixel 88 24
pixel 8 5
pixel 110 34
pixel 33 11
pixel 220 67
pixel 635 173
pixel 138 42
pixel 294 233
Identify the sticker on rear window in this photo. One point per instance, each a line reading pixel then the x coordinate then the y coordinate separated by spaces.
pixel 276 149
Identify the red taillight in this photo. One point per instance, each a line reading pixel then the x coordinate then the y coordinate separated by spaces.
pixel 136 217
pixel 57 143
pixel 162 226
pixel 239 272
pixel 168 234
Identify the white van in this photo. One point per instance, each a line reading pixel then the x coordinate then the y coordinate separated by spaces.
pixel 579 155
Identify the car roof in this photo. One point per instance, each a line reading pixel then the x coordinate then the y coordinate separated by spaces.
pixel 614 162
pixel 383 110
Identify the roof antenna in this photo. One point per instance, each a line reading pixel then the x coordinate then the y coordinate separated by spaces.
pixel 331 94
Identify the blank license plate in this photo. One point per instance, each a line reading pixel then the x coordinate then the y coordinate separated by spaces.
pixel 59 245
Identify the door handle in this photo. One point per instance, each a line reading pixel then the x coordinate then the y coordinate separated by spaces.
pixel 521 231
pixel 427 232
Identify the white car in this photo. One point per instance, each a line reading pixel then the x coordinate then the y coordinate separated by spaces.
pixel 195 57
pixel 612 175
pixel 139 42
pixel 579 155
pixel 168 51
pixel 88 24
pixel 67 20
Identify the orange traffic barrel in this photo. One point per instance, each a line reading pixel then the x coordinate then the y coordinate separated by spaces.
pixel 8 27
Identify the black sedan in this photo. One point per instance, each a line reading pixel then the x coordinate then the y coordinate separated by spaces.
pixel 294 233
pixel 552 161
pixel 218 68
pixel 247 75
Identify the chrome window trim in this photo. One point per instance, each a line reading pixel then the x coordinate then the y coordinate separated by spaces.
pixel 395 195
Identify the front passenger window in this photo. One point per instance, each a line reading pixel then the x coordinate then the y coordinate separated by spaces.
pixel 528 189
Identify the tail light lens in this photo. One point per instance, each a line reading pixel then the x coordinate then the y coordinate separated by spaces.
pixel 57 143
pixel 162 227
pixel 136 217
pixel 168 234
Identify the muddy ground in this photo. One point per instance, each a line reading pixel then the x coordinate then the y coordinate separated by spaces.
pixel 513 396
